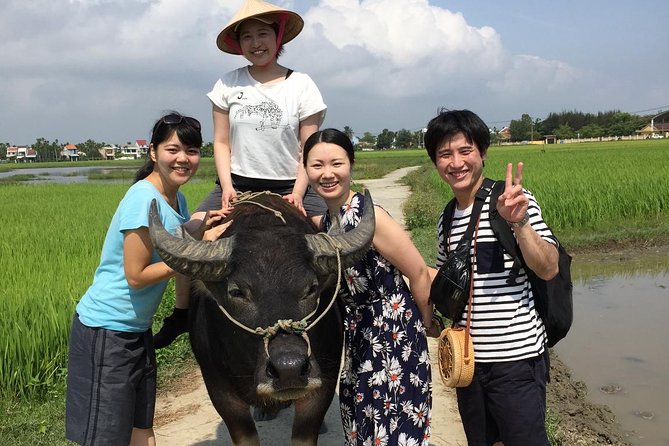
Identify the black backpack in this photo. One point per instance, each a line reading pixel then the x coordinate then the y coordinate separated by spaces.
pixel 553 298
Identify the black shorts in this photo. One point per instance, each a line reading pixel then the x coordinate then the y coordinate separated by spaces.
pixel 506 401
pixel 313 204
pixel 111 384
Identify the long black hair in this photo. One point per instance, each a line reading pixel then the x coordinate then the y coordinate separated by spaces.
pixel 188 131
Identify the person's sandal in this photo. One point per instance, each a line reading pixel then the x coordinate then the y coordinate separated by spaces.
pixel 173 325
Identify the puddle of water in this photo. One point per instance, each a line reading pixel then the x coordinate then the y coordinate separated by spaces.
pixel 618 342
pixel 63 175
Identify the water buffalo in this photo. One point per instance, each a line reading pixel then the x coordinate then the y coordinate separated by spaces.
pixel 271 271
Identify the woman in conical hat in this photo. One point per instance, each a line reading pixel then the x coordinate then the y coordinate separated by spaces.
pixel 263 113
pixel 289 24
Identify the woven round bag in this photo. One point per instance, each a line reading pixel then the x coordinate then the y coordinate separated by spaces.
pixel 455 368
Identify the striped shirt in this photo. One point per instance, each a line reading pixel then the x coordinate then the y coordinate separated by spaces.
pixel 505 326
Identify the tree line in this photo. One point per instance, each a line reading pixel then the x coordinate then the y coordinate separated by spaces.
pixel 575 124
pixel 563 125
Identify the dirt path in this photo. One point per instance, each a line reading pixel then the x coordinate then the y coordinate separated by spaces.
pixel 185 415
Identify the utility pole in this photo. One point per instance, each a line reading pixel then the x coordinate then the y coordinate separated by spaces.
pixel 531 129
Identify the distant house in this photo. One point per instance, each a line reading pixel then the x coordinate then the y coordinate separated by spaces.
pixel 134 151
pixel 108 152
pixel 504 134
pixel 21 154
pixel 70 153
pixel 658 126
pixel 11 153
pixel 550 139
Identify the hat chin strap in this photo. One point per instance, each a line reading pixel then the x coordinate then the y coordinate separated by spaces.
pixel 232 43
pixel 283 18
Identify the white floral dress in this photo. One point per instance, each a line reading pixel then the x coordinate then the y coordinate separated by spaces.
pixel 385 389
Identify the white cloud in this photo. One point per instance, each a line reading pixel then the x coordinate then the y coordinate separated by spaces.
pixel 524 74
pixel 396 47
pixel 379 64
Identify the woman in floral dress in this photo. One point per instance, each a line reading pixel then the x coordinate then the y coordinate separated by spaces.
pixel 385 389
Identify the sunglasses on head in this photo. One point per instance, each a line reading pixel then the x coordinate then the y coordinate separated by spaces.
pixel 174 119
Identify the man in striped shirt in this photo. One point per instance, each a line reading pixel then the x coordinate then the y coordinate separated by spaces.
pixel 507 397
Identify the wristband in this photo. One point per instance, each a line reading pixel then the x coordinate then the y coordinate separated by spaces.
pixel 519 224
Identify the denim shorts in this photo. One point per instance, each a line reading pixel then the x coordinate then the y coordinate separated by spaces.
pixel 111 384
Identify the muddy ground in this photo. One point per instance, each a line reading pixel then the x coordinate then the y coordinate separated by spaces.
pixel 581 422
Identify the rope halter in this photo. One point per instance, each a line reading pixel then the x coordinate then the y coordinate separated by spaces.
pixel 302 326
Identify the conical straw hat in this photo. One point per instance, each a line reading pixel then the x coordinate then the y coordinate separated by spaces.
pixel 265 12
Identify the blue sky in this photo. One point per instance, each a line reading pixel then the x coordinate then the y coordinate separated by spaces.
pixel 106 69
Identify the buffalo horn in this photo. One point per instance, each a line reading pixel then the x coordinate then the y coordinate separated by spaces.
pixel 193 258
pixel 352 245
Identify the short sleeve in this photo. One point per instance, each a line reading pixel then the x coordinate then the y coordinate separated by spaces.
pixel 219 95
pixel 311 100
pixel 536 219
pixel 133 210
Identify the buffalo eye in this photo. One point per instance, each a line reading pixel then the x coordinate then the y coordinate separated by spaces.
pixel 235 292
pixel 313 289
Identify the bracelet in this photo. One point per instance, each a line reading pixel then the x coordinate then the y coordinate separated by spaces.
pixel 519 224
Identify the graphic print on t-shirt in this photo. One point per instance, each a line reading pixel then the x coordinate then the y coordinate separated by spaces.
pixel 268 112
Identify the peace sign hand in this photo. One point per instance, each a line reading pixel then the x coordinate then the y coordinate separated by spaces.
pixel 512 204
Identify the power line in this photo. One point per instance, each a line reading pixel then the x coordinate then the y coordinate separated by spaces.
pixel 508 121
pixel 663 107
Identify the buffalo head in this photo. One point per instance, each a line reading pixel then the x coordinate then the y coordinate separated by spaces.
pixel 270 265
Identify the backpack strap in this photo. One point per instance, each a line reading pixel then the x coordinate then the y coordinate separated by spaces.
pixel 449 210
pixel 504 234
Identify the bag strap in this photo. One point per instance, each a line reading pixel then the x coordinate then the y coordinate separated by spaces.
pixel 472 230
pixel 471 296
pixel 479 199
pixel 505 235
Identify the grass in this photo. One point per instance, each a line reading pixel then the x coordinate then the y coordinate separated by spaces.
pixel 36 422
pixel 47 261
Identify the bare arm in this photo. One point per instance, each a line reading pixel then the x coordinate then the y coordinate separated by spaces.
pixel 393 243
pixel 539 255
pixel 316 220
pixel 308 127
pixel 223 154
pixel 139 271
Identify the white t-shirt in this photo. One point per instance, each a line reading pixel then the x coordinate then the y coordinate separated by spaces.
pixel 265 121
